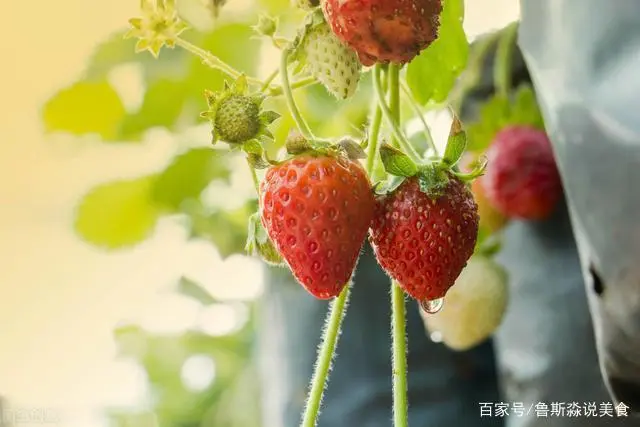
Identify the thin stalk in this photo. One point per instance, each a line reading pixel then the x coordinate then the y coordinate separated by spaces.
pixel 418 111
pixel 374 138
pixel 398 331
pixel 504 53
pixel 307 81
pixel 325 357
pixel 302 125
pixel 213 61
pixel 386 112
pixel 254 178
pixel 269 80
pixel 398 321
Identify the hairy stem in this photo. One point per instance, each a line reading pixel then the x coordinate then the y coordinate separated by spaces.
pixel 213 61
pixel 418 112
pixel 398 330
pixel 399 137
pixel 325 357
pixel 374 134
pixel 307 81
pixel 302 125
pixel 254 178
pixel 269 80
pixel 502 65
pixel 398 321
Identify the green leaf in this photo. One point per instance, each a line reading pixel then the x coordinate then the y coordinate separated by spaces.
pixel 188 175
pixel 162 105
pixel 116 50
pixel 227 230
pixel 500 111
pixel 118 214
pixel 494 115
pixel 85 108
pixel 235 44
pixel 456 144
pixel 433 73
pixel 192 289
pixel 389 185
pixel 396 162
pixel 525 109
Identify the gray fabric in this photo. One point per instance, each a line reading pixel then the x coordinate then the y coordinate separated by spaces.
pixel 545 346
pixel 584 57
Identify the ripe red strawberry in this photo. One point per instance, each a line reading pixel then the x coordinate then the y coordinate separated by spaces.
pixel 317 210
pixel 522 179
pixel 423 241
pixel 385 30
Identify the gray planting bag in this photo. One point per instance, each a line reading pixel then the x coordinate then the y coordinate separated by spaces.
pixel 584 60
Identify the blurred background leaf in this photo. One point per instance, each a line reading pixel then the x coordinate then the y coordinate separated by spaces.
pixel 118 214
pixel 85 108
pixel 432 75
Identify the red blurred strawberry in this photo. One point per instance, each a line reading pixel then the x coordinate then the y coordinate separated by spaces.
pixel 385 30
pixel 424 241
pixel 522 180
pixel 317 210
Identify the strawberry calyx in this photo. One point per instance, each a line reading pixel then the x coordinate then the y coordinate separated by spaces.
pixel 433 173
pixel 347 147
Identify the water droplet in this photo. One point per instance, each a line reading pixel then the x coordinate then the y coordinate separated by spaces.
pixel 432 306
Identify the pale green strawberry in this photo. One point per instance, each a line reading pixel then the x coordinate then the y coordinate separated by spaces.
pixel 473 307
pixel 329 60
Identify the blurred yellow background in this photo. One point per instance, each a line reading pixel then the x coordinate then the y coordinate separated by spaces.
pixel 61 298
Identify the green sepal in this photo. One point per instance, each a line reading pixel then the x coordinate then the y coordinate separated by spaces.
pixel 456 143
pixel 257 161
pixel 382 188
pixel 479 167
pixel 258 243
pixel 252 147
pixel 397 163
pixel 352 149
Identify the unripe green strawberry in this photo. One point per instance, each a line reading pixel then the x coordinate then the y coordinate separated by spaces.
pixel 236 116
pixel 474 306
pixel 237 119
pixel 328 59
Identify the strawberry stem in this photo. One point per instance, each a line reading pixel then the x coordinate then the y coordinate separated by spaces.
pixel 386 111
pixel 374 133
pixel 398 321
pixel 212 61
pixel 302 125
pixel 325 357
pixel 398 328
pixel 418 112
pixel 307 81
pixel 502 65
pixel 254 178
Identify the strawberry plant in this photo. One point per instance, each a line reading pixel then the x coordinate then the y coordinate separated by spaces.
pixel 323 137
